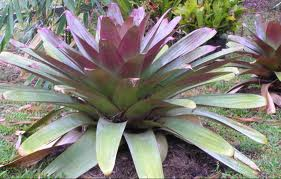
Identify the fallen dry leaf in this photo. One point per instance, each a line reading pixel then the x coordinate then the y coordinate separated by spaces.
pixel 276 99
pixel 270 108
pixel 25 107
pixel 250 119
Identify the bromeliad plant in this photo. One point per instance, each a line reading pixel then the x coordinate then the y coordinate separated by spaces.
pixel 123 85
pixel 265 48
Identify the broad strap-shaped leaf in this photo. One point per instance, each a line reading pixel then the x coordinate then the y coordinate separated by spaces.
pixel 32 66
pixel 162 145
pixel 183 61
pixel 250 132
pixel 63 52
pixel 210 58
pixel 109 32
pixel 161 52
pixel 43 121
pixel 77 159
pixel 145 154
pixel 185 45
pixel 246 42
pixel 187 81
pixel 165 30
pixel 115 14
pixel 235 164
pixel 77 29
pixel 138 15
pixel 222 77
pixel 54 47
pixel 130 44
pixel 140 109
pixel 52 131
pixel 237 101
pixel 243 84
pixel 243 158
pixel 84 40
pixel 150 35
pixel 38 95
pixel 132 68
pixel 104 82
pixel 182 102
pixel 46 59
pixel 197 135
pixel 108 139
pixel 261 26
pixel 227 69
pixel 7 87
pixel 125 94
pixel 273 37
pixel 110 58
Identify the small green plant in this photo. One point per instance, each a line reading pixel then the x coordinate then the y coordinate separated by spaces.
pixel 221 15
pixel 154 7
pixel 122 86
pixel 265 47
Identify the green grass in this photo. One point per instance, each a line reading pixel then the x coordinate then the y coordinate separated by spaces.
pixel 7 153
pixel 7 133
pixel 267 157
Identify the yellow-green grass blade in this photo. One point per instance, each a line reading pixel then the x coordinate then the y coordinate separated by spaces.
pixel 145 153
pixel 237 101
pixel 108 139
pixel 248 131
pixel 77 159
pixel 53 131
pixel 182 102
pixel 197 135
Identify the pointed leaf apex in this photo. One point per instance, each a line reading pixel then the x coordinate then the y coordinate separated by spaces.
pixel 114 13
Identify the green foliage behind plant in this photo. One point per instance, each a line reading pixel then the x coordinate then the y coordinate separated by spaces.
pixel 222 15
pixel 154 7
pixel 21 18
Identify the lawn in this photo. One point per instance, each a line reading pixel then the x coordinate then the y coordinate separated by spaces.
pixel 14 119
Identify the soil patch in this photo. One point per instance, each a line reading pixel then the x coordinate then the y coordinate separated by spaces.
pixel 260 5
pixel 183 161
pixel 8 73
